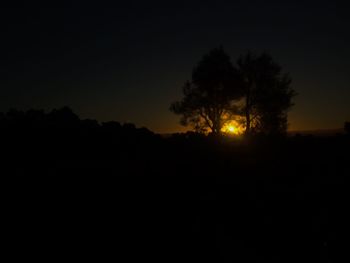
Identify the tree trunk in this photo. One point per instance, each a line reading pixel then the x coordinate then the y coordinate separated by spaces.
pixel 216 124
pixel 216 128
pixel 247 115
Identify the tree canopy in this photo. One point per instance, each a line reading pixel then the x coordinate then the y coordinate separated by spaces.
pixel 267 94
pixel 256 90
pixel 209 96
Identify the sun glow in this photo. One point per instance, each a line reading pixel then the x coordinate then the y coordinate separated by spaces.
pixel 232 128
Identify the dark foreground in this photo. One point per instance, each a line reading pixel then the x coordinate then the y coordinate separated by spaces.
pixel 184 199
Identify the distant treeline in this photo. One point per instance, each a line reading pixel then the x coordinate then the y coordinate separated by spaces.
pixel 61 132
pixel 63 118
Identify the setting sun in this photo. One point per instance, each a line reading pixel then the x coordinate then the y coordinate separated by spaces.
pixel 232 128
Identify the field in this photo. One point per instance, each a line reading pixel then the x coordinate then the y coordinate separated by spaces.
pixel 185 198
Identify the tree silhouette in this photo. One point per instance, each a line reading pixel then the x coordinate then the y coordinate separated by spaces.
pixel 347 127
pixel 208 98
pixel 267 94
pixel 63 118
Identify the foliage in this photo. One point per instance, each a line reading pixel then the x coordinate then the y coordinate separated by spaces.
pixel 208 98
pixel 257 94
pixel 267 94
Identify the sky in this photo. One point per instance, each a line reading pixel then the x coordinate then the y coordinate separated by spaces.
pixel 128 62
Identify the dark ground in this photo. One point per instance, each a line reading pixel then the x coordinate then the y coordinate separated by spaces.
pixel 133 196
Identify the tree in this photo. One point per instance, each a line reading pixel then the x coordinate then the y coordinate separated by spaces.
pixel 267 94
pixel 209 96
pixel 347 127
pixel 63 118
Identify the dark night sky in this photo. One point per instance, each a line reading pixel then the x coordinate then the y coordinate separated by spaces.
pixel 128 62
